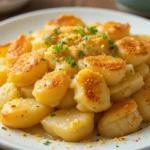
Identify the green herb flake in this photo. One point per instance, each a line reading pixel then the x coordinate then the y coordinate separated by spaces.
pixel 58 48
pixel 43 59
pixel 76 31
pixel 69 39
pixel 47 38
pixel 60 68
pixel 131 71
pixel 104 36
pixel 57 59
pixel 53 114
pixel 37 106
pixel 114 55
pixel 80 31
pixel 71 61
pixel 53 40
pixel 117 146
pixel 47 143
pixel 92 30
pixel 62 42
pixel 87 46
pixel 85 65
pixel 56 30
pixel 85 38
pixel 4 128
pixel 112 45
pixel 81 53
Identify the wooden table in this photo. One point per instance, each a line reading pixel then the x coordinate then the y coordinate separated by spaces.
pixel 41 4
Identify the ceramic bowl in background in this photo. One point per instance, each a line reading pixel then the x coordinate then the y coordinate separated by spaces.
pixel 141 7
pixel 11 5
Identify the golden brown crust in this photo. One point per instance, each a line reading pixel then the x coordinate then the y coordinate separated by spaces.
pixel 106 62
pixel 132 46
pixel 116 30
pixel 90 81
pixel 121 109
pixel 66 20
pixel 17 47
pixel 25 62
pixel 53 80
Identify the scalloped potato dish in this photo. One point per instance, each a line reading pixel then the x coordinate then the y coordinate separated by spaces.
pixel 73 78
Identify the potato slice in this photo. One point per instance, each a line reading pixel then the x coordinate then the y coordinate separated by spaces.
pixel 64 20
pixel 115 30
pixel 8 92
pixel 67 101
pixel 130 69
pixel 112 69
pixel 147 82
pixel 142 98
pixel 69 124
pixel 51 88
pixel 143 69
pixel 23 113
pixel 91 91
pixel 132 50
pixel 28 68
pixel 3 75
pixel 121 119
pixel 3 49
pixel 20 46
pixel 127 87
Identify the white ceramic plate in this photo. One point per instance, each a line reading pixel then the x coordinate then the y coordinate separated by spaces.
pixel 11 28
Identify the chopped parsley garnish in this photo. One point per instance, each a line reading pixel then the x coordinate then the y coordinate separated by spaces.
pixel 81 53
pixel 62 42
pixel 66 49
pixel 76 31
pixel 71 61
pixel 112 45
pixel 53 114
pixel 56 30
pixel 87 46
pixel 4 128
pixel 47 143
pixel 57 59
pixel 85 38
pixel 117 146
pixel 60 68
pixel 92 30
pixel 37 106
pixel 80 31
pixel 43 59
pixel 69 39
pixel 47 38
pixel 58 48
pixel 114 55
pixel 85 65
pixel 104 36
pixel 131 71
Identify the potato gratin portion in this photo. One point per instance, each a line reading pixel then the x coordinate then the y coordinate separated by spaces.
pixel 73 77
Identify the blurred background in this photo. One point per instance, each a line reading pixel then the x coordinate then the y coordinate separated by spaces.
pixel 10 8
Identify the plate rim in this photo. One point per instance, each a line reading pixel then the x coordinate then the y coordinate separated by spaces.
pixel 6 144
pixel 43 11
